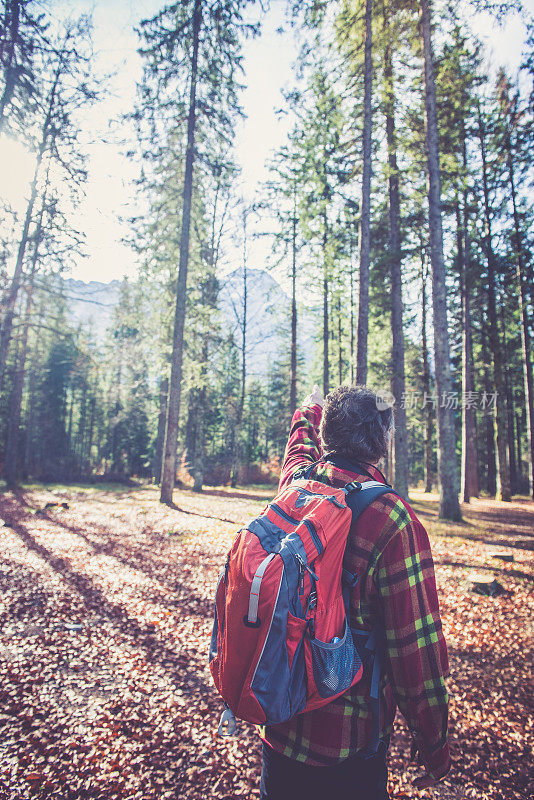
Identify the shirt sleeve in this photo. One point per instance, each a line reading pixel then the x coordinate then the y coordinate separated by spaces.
pixel 303 446
pixel 414 639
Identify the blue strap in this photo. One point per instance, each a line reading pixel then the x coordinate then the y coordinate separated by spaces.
pixel 348 582
pixel 371 651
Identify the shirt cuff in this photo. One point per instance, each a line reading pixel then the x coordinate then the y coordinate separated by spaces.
pixel 437 762
pixel 317 411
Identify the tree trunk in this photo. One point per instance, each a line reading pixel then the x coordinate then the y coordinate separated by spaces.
pixel 90 434
pixel 398 383
pixel 449 506
pixel 11 23
pixel 499 417
pixel 173 406
pixel 31 460
pixel 80 433
pixel 198 471
pixel 518 446
pixel 365 218
pixel 352 371
pixel 12 451
pixel 66 467
pixel 326 329
pixel 293 389
pixel 469 479
pixel 491 474
pixel 509 403
pixel 11 297
pixel 12 454
pixel 427 409
pixel 525 329
pixel 236 456
pixel 163 392
pixel 339 341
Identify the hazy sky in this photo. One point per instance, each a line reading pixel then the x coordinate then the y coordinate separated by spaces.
pixel 110 191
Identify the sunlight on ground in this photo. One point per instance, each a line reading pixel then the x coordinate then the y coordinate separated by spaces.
pixel 105 616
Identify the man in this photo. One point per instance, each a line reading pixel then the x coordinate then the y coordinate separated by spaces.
pixel 325 753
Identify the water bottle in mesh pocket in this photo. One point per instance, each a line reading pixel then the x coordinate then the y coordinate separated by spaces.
pixel 335 664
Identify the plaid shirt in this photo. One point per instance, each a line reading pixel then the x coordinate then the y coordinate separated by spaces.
pixel 388 549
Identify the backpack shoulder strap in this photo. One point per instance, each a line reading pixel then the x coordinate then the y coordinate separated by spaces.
pixel 305 472
pixel 361 495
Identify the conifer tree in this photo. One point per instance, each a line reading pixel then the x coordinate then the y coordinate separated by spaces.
pixel 365 212
pixel 398 383
pixel 190 42
pixel 449 507
pixel 503 491
pixel 23 34
pixel 283 198
pixel 516 136
pixel 65 87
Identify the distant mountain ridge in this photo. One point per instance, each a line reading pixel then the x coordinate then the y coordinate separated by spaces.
pixel 268 308
pixel 92 303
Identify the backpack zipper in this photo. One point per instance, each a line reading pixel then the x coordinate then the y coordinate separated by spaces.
pixel 304 566
pixel 328 497
pixel 310 526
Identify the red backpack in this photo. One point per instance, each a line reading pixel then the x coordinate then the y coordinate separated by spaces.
pixel 281 643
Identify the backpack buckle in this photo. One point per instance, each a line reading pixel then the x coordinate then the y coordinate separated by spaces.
pixel 353 486
pixel 251 624
pixel 312 601
pixel 227 723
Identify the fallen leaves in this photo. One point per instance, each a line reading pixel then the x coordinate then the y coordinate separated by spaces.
pixel 105 613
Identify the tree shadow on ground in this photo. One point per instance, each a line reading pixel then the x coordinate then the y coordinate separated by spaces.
pixel 198 514
pixel 142 635
pixel 511 573
pixel 522 520
pixel 239 494
pixel 500 540
pixel 142 559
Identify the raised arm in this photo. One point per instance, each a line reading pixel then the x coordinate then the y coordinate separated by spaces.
pixel 303 446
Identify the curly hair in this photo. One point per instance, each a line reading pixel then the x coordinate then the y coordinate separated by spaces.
pixel 356 423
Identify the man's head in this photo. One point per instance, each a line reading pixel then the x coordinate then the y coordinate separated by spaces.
pixel 356 423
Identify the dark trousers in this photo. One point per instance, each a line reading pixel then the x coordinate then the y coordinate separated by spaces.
pixel 355 778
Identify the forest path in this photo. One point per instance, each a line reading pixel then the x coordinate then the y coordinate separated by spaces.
pixel 105 616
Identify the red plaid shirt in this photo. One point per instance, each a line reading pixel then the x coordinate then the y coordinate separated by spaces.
pixel 388 549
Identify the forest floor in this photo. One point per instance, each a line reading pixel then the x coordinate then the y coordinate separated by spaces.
pixel 105 616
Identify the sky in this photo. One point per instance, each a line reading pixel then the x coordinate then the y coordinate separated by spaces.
pixel 110 192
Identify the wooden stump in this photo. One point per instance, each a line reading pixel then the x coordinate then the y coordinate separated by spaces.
pixel 485 583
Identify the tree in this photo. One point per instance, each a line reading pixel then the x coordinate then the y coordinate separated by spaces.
pixel 427 407
pixel 22 35
pixel 365 218
pixel 173 402
pixel 325 171
pixel 12 470
pixel 449 507
pixel 499 421
pixel 398 383
pixel 185 40
pixel 515 136
pixel 243 324
pixel 65 87
pixel 457 83
pixel 283 192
